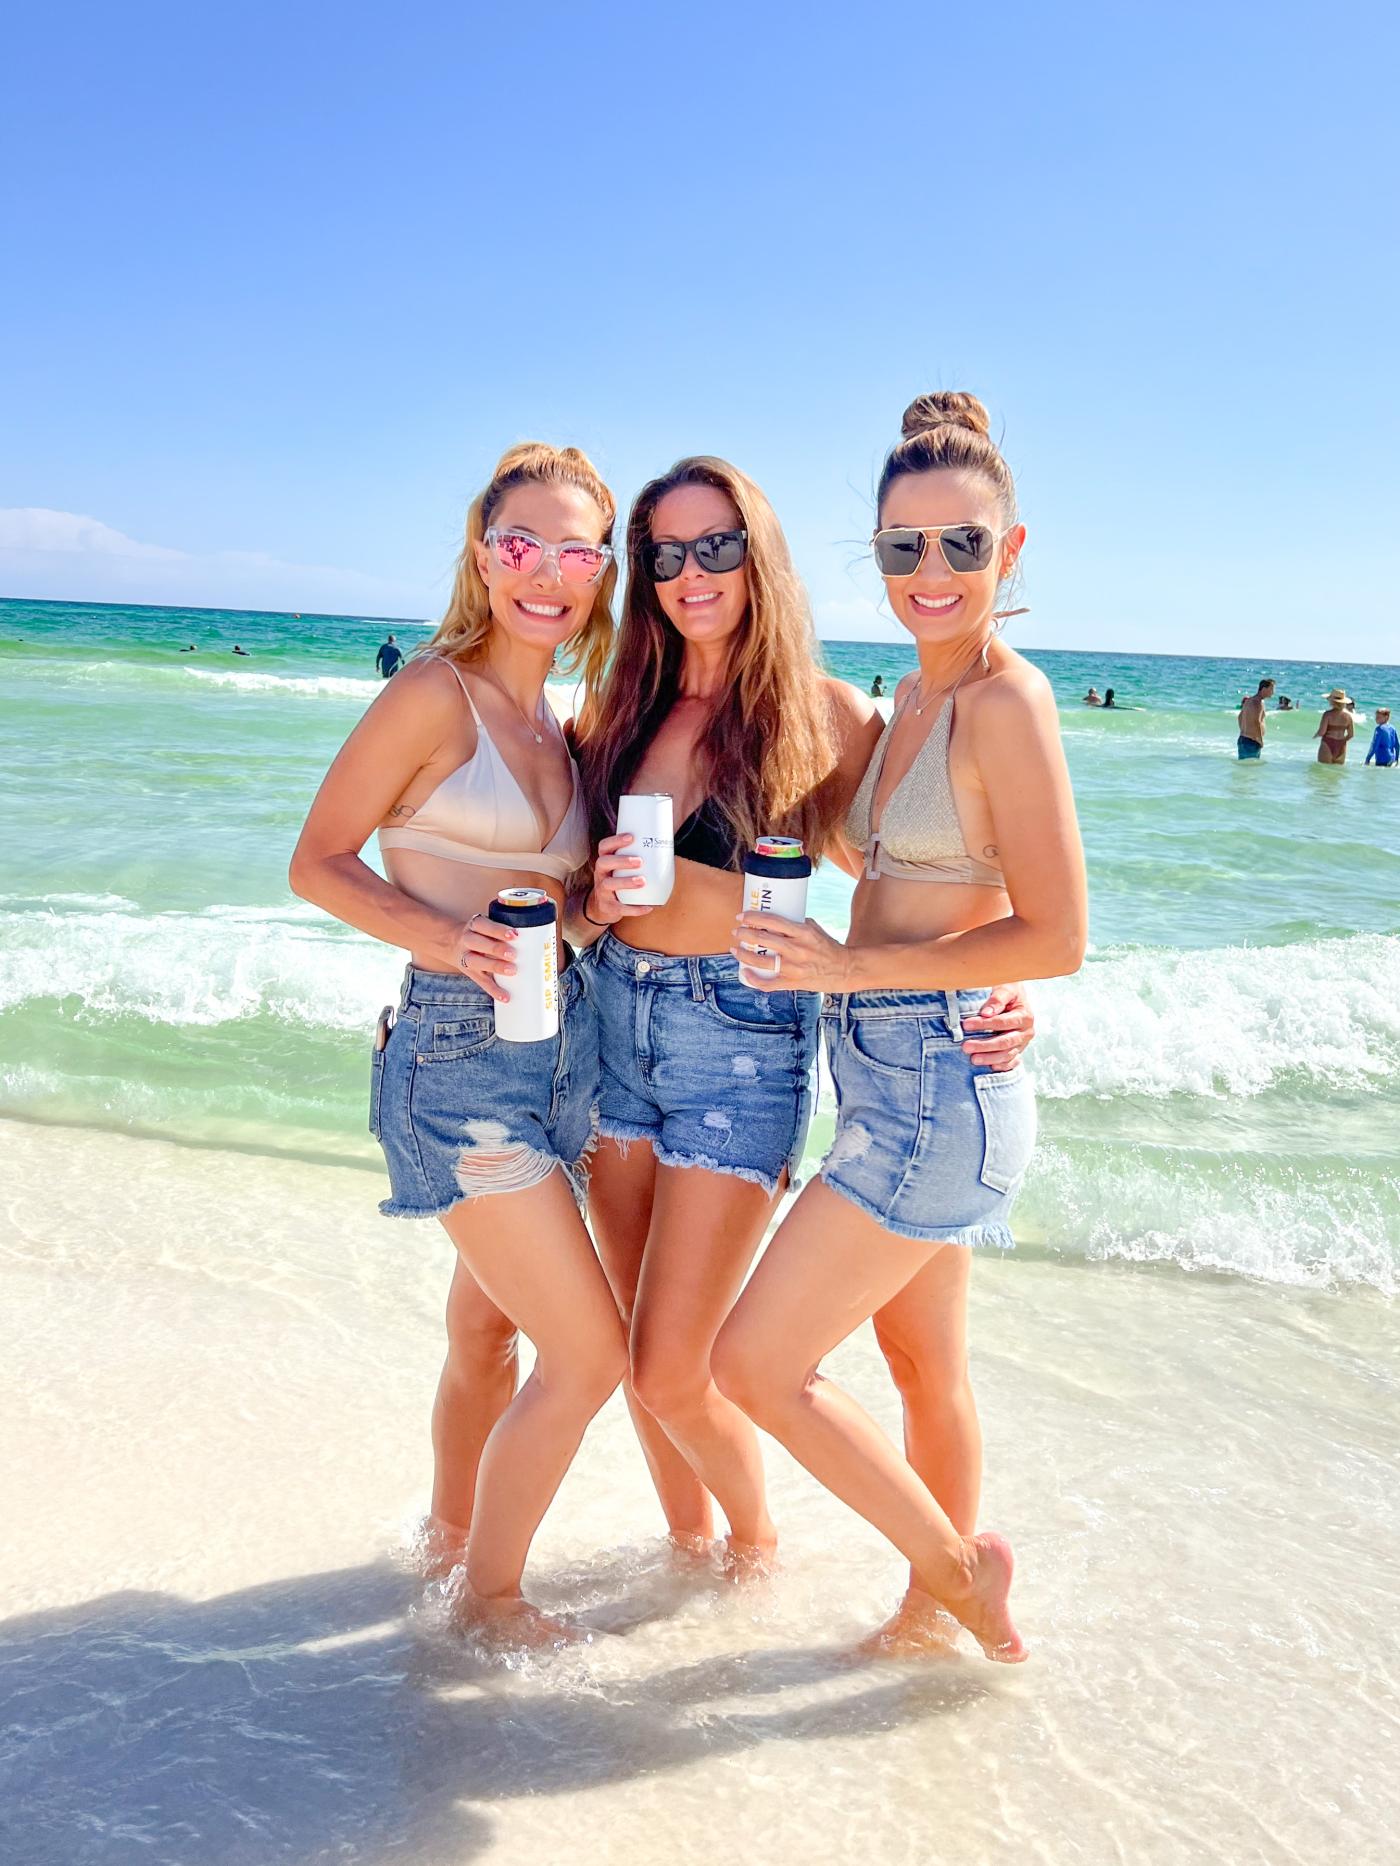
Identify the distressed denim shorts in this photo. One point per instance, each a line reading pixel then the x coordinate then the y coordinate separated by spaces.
pixel 460 1114
pixel 932 1146
pixel 710 1071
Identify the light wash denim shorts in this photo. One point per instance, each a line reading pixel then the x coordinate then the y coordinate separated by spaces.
pixel 932 1146
pixel 710 1071
pixel 460 1114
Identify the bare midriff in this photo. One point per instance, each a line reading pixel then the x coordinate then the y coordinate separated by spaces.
pixel 698 918
pixel 460 889
pixel 893 912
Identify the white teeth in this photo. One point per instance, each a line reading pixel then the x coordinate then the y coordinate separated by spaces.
pixel 935 602
pixel 552 610
pixel 710 597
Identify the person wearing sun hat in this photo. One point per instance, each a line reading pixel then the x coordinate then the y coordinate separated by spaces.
pixel 1335 729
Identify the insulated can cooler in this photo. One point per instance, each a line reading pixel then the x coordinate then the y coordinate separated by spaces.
pixel 533 1011
pixel 776 874
pixel 647 819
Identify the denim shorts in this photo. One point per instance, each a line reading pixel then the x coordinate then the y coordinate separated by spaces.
pixel 460 1114
pixel 710 1071
pixel 932 1146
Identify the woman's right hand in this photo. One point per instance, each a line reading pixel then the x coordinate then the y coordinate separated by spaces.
pixel 614 875
pixel 482 949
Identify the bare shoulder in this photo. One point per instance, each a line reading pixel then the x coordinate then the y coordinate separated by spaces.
pixel 1015 692
pixel 850 706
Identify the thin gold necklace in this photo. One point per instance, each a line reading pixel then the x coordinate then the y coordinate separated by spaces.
pixel 500 687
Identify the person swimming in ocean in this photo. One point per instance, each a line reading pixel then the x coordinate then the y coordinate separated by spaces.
pixel 877 687
pixel 1092 698
pixel 1250 743
pixel 1108 698
pixel 1385 742
pixel 389 659
pixel 1336 729
pixel 238 650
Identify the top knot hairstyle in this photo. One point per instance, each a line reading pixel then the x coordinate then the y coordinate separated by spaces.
pixel 466 627
pixel 949 429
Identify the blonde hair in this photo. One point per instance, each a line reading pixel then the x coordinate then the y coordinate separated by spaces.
pixel 465 629
pixel 768 755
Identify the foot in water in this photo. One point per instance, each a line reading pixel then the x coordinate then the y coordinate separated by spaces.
pixel 438 1548
pixel 919 1627
pixel 981 1603
pixel 748 1561
pixel 512 1624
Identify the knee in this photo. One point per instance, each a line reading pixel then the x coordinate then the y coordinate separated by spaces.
pixel 923 1379
pixel 748 1373
pixel 480 1339
pixel 668 1379
pixel 586 1377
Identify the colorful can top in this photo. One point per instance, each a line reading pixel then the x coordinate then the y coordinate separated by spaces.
pixel 778 846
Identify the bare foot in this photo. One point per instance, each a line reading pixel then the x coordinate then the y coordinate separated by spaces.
pixel 919 1627
pixel 440 1547
pixel 691 1551
pixel 982 1605
pixel 512 1624
pixel 748 1561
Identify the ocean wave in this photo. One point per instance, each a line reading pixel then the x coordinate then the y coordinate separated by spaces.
pixel 1233 1020
pixel 1307 1224
pixel 219 966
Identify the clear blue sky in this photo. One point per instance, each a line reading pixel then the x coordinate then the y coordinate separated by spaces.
pixel 283 281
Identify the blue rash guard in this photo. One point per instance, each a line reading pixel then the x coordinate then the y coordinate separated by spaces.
pixel 1385 746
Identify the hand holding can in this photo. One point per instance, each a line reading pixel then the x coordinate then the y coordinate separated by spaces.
pixel 648 820
pixel 776 873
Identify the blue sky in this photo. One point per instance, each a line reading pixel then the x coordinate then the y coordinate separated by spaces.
pixel 282 283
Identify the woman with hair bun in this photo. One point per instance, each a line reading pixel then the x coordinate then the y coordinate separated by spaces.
pixel 463 769
pixel 972 870
pixel 715 696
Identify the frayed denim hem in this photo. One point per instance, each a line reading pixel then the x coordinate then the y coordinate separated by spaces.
pixel 625 1132
pixel 576 1174
pixel 994 1236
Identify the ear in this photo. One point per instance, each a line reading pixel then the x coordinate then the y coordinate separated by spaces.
pixel 1011 547
pixel 483 560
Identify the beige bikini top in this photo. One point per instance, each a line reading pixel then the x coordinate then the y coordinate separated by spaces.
pixel 919 836
pixel 480 815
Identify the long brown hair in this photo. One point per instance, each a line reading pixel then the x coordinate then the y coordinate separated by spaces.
pixel 768 753
pixel 466 627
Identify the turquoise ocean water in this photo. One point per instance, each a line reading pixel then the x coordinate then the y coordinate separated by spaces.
pixel 1220 1085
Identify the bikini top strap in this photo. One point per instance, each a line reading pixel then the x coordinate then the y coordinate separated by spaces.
pixel 461 682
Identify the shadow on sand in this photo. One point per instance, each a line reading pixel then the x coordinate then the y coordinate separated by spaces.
pixel 318 1718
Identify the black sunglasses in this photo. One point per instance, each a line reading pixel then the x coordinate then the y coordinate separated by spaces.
pixel 717 550
pixel 964 548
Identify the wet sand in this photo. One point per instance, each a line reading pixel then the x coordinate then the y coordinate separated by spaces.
pixel 216 1388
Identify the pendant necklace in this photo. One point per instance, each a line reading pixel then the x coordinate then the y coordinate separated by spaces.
pixel 538 737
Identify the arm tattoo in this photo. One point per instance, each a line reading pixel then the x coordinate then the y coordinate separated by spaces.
pixel 401 812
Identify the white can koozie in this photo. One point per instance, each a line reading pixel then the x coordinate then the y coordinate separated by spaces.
pixel 649 820
pixel 532 1013
pixel 776 874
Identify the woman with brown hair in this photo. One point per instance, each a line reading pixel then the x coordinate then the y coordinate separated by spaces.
pixel 973 870
pixel 463 769
pixel 715 697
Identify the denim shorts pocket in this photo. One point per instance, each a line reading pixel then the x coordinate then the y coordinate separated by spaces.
pixel 1007 1101
pixel 451 1038
pixel 736 1003
pixel 376 1088
pixel 892 1046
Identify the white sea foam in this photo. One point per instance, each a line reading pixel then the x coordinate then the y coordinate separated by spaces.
pixel 1230 1021
pixel 304 686
pixel 214 967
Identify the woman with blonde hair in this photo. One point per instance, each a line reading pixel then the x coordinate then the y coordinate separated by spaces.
pixel 715 697
pixel 972 871
pixel 462 768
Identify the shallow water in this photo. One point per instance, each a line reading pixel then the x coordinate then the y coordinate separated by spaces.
pixel 210 1653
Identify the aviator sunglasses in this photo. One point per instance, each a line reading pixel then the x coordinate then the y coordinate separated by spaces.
pixel 964 548
pixel 522 552
pixel 718 551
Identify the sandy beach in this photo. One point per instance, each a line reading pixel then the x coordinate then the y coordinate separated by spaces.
pixel 216 1392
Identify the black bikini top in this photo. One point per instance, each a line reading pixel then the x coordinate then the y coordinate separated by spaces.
pixel 705 837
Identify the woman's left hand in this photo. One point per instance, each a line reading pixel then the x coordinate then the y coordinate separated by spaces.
pixel 806 958
pixel 1005 1027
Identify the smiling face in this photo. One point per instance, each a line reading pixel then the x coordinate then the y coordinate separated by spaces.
pixel 937 604
pixel 537 608
pixel 702 605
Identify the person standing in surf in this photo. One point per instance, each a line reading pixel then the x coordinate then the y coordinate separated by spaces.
pixel 973 870
pixel 462 768
pixel 715 697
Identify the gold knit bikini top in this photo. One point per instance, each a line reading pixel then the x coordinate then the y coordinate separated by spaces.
pixel 919 836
